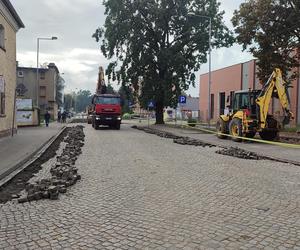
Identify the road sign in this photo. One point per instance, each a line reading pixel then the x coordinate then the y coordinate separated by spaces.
pixel 151 104
pixel 182 99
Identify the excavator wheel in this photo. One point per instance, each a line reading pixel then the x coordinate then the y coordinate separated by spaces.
pixel 269 135
pixel 236 129
pixel 221 128
pixel 250 134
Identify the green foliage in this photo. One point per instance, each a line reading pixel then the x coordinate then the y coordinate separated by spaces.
pixel 83 98
pixel 192 122
pixel 126 96
pixel 126 116
pixel 292 129
pixel 68 101
pixel 158 45
pixel 77 101
pixel 60 85
pixel 110 89
pixel 270 29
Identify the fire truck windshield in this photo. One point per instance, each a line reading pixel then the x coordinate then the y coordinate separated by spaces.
pixel 107 100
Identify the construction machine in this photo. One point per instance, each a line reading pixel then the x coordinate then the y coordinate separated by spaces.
pixel 249 111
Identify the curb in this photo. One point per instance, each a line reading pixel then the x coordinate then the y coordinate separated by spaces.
pixel 19 167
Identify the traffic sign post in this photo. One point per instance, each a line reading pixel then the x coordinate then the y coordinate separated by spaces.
pixel 182 102
pixel 151 105
pixel 182 99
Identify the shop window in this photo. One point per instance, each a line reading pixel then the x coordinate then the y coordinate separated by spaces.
pixel 2 37
pixel 2 96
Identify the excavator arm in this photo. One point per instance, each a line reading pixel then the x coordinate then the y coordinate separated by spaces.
pixel 275 86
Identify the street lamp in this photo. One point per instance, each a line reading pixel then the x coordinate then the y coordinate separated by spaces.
pixel 209 63
pixel 37 65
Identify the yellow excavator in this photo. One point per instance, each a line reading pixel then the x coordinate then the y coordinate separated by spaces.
pixel 249 112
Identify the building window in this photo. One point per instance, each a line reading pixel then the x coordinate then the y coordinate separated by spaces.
pixel 2 96
pixel 20 74
pixel 42 75
pixel 2 37
pixel 42 91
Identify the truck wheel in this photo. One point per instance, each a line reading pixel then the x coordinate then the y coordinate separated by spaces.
pixel 268 135
pixel 221 128
pixel 118 126
pixel 96 125
pixel 236 129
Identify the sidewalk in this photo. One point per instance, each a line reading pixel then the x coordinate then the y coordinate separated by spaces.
pixel 16 150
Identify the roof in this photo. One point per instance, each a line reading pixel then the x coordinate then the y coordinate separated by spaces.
pixel 12 10
pixel 233 65
pixel 50 65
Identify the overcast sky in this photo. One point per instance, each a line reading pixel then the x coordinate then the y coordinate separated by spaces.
pixel 76 53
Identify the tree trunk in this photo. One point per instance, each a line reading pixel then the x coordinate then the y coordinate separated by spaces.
pixel 159 113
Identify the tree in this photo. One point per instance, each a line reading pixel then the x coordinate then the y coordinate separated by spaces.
pixel 60 85
pixel 77 101
pixel 126 95
pixel 270 29
pixel 160 42
pixel 83 98
pixel 110 89
pixel 68 101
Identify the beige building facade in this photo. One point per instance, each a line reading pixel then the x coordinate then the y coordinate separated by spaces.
pixel 10 23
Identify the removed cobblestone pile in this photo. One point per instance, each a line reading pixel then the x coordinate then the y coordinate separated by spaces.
pixel 239 153
pixel 12 189
pixel 232 151
pixel 176 139
pixel 64 173
pixel 193 142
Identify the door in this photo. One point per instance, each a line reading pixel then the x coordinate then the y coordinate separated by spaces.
pixel 212 105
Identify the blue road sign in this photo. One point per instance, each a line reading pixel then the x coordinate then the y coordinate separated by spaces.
pixel 182 99
pixel 151 104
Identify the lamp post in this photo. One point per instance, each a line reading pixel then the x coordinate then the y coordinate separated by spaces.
pixel 37 65
pixel 209 64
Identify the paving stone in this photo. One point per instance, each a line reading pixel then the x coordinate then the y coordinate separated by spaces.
pixel 140 191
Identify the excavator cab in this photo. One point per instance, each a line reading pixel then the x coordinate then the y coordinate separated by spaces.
pixel 245 100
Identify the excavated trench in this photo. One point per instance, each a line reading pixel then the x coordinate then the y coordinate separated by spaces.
pixel 31 185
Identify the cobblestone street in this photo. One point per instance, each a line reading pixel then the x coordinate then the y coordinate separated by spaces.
pixel 140 191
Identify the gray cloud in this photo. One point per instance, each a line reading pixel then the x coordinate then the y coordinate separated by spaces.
pixel 75 52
